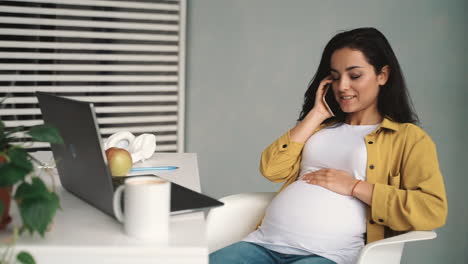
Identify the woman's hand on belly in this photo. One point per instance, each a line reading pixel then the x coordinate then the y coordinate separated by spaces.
pixel 337 181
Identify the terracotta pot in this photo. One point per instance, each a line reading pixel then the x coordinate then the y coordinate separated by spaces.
pixel 5 198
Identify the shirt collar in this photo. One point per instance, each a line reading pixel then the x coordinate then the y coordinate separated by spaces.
pixel 388 123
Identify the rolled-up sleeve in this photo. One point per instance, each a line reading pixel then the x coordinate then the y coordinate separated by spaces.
pixel 421 204
pixel 281 160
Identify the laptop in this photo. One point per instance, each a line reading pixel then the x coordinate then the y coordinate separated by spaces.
pixel 82 164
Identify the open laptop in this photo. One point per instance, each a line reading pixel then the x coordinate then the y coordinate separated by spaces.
pixel 82 164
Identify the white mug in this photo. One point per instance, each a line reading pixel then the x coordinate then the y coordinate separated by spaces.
pixel 147 207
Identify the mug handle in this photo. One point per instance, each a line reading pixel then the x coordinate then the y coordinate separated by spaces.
pixel 116 203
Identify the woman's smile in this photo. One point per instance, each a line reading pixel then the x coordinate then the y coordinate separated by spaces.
pixel 346 99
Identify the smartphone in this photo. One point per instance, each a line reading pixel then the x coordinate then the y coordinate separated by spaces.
pixel 327 87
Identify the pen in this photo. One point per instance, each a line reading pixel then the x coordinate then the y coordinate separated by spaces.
pixel 154 168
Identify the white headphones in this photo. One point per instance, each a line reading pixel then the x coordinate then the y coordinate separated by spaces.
pixel 141 147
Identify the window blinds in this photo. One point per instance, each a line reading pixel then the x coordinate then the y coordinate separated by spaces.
pixel 127 57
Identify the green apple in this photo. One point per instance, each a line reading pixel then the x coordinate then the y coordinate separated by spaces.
pixel 119 161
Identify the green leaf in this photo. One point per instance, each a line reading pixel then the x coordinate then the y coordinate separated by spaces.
pixel 37 205
pixel 19 157
pixel 25 258
pixel 11 174
pixel 45 133
pixel 37 214
pixel 2 130
pixel 15 170
pixel 31 190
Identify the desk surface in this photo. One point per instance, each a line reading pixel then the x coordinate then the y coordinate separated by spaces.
pixel 83 234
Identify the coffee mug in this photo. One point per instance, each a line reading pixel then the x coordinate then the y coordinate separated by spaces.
pixel 147 207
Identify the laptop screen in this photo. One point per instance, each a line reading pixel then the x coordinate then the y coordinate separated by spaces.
pixel 81 162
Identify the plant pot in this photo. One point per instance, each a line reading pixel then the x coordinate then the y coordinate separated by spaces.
pixel 5 198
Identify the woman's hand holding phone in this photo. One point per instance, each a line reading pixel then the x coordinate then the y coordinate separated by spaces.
pixel 321 107
pixel 320 112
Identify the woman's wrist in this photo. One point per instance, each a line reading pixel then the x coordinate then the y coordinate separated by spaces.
pixel 364 192
pixel 302 131
pixel 315 115
pixel 354 187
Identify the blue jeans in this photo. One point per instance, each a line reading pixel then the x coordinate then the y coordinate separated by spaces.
pixel 249 253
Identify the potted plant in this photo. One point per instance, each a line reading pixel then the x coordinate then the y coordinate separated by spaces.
pixel 37 203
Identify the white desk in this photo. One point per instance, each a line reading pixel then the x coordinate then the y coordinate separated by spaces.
pixel 83 234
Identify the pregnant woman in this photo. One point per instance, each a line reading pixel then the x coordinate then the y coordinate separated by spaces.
pixel 356 167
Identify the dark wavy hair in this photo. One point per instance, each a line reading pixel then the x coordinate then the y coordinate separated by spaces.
pixel 393 98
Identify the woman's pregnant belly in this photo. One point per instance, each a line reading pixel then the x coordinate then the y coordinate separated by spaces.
pixel 307 209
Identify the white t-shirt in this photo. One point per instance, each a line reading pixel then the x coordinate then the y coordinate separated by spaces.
pixel 306 218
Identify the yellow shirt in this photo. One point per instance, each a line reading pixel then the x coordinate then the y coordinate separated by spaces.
pixel 409 192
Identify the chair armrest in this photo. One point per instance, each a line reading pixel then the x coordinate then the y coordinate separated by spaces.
pixel 389 250
pixel 238 217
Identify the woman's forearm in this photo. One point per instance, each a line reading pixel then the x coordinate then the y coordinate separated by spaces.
pixel 363 192
pixel 304 130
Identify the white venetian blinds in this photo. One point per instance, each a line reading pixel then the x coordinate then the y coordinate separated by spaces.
pixel 127 57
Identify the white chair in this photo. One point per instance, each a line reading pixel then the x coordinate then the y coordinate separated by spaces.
pixel 242 212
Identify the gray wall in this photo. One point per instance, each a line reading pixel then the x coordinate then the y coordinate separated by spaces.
pixel 248 64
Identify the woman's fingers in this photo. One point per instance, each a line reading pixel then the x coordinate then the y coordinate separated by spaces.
pixel 319 104
pixel 323 85
pixel 317 180
pixel 334 180
pixel 317 177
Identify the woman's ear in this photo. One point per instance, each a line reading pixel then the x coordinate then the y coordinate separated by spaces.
pixel 382 77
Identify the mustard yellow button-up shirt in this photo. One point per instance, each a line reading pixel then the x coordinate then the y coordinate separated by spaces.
pixel 409 192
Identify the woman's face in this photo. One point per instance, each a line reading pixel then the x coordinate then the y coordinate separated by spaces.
pixel 355 84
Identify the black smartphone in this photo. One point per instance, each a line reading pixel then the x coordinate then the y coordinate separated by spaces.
pixel 327 87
